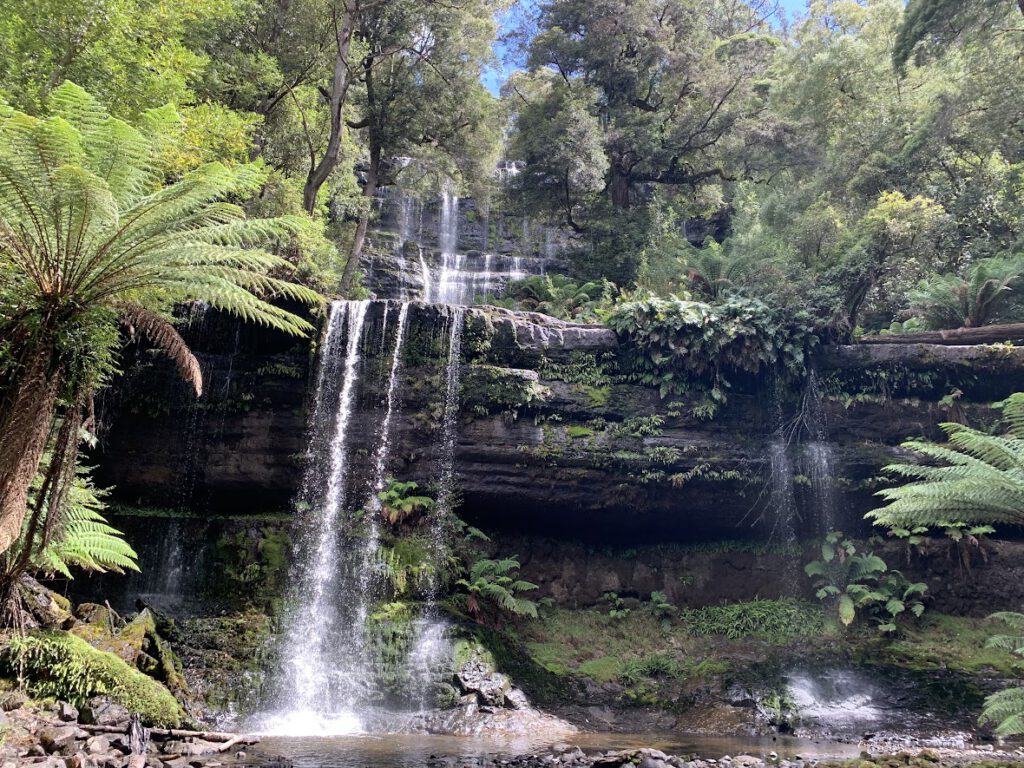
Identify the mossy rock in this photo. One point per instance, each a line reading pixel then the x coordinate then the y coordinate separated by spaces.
pixel 490 389
pixel 64 666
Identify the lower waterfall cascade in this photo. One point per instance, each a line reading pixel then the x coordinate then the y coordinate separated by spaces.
pixel 327 679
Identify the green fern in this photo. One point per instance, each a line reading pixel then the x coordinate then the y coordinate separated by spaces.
pixel 491 588
pixel 1005 709
pixel 83 538
pixel 975 479
pixel 398 501
pixel 978 298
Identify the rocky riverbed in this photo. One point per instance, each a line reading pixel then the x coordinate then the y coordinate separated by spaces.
pixel 104 735
pixel 653 758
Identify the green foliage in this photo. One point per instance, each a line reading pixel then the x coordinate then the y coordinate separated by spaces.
pixel 661 607
pixel 974 479
pixel 408 565
pixel 83 539
pixel 653 665
pixel 558 296
pixel 491 590
pixel 774 620
pixel 58 664
pixel 1005 709
pixel 399 502
pixel 852 581
pixel 616 605
pixel 981 297
pixel 677 344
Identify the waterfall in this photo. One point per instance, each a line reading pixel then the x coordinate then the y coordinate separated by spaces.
pixel 405 218
pixel 819 455
pixel 459 278
pixel 448 236
pixel 324 673
pixel 449 433
pixel 427 281
pixel 838 699
pixel 431 645
pixel 781 496
pixel 328 682
pixel 380 467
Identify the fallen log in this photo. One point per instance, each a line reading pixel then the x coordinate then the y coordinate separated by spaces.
pixel 986 334
pixel 168 733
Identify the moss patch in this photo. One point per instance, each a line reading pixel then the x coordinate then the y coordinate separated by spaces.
pixel 956 643
pixel 63 666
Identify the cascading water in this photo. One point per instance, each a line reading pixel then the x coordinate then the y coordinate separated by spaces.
pixel 838 699
pixel 459 278
pixel 784 516
pixel 431 645
pixel 328 682
pixel 324 670
pixel 819 455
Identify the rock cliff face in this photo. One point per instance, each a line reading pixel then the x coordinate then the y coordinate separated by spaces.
pixel 552 437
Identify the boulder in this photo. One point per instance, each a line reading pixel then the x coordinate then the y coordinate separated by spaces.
pixel 97 745
pixel 45 608
pixel 58 739
pixel 67 712
pixel 102 615
pixel 13 700
pixel 516 699
pixel 102 711
pixel 478 676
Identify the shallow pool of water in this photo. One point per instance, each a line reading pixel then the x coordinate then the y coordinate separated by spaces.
pixel 413 751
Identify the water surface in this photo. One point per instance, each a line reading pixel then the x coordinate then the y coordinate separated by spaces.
pixel 414 751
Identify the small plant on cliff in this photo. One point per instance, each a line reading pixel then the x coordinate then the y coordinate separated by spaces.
pixel 661 607
pixel 491 591
pixel 1005 709
pixel 617 606
pixel 399 502
pixel 976 478
pixel 862 582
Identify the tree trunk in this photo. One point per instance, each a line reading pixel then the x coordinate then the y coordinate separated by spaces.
pixel 320 172
pixel 619 188
pixel 25 428
pixel 369 189
pixel 986 334
pixel 369 192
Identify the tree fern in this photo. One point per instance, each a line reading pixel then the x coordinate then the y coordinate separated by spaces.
pixel 90 236
pixel 1005 709
pixel 979 298
pixel 491 589
pixel 975 478
pixel 1012 643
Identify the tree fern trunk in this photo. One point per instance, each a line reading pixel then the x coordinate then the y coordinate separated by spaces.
pixel 23 432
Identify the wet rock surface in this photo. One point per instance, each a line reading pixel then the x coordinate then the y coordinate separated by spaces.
pixel 554 428
pixel 653 758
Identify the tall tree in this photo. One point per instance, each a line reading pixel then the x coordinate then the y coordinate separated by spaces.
pixel 420 88
pixel 674 98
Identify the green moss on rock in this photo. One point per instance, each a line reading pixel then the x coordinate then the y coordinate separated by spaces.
pixel 61 665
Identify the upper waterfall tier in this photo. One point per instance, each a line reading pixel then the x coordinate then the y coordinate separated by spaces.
pixel 449 250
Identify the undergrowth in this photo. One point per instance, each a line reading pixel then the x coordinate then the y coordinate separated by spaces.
pixel 773 620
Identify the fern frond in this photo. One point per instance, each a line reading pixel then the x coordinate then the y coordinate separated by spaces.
pixel 164 336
